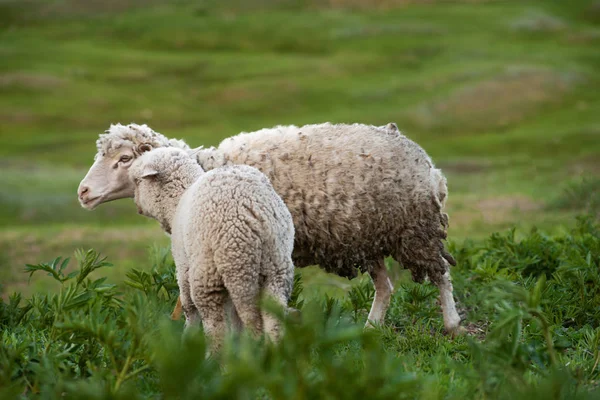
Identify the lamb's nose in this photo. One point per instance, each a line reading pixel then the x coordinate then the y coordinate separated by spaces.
pixel 83 191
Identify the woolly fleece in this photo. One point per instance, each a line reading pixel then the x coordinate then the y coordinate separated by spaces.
pixel 357 193
pixel 232 236
pixel 118 135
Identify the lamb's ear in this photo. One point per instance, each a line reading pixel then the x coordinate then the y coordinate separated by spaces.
pixel 144 147
pixel 149 172
pixel 194 152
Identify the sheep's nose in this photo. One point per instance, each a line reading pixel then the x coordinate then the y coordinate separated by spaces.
pixel 82 191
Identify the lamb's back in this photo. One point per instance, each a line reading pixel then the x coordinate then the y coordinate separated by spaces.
pixel 230 207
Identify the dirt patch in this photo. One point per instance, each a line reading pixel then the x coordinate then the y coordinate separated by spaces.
pixel 499 209
pixel 495 103
pixel 493 211
pixel 31 81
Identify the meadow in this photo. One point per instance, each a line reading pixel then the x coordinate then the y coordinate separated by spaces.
pixel 504 96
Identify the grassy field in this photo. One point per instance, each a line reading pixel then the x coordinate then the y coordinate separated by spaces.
pixel 530 307
pixel 504 95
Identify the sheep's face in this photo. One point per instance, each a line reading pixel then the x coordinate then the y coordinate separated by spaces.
pixel 108 177
pixel 144 175
pixel 146 191
pixel 160 177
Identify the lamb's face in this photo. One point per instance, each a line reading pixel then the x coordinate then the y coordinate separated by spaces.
pixel 108 177
pixel 146 194
pixel 157 180
pixel 144 174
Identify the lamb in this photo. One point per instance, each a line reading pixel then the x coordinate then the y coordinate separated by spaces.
pixel 357 193
pixel 232 236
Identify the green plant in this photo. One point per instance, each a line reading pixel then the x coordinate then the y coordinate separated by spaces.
pixel 535 331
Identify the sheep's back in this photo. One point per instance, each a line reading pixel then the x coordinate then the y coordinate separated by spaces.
pixel 232 208
pixel 353 190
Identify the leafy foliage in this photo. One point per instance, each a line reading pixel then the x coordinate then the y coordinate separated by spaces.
pixel 583 194
pixel 530 304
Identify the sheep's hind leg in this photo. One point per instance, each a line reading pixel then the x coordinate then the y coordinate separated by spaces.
pixel 209 296
pixel 383 293
pixel 234 318
pixel 451 317
pixel 241 279
pixel 246 305
pixel 279 288
pixel 185 301
pixel 210 301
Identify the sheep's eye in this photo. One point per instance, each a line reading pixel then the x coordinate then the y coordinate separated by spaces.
pixel 124 158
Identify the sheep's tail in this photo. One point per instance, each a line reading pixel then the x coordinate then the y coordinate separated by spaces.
pixel 441 188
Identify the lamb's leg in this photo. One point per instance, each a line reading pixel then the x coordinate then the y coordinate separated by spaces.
pixel 185 301
pixel 234 318
pixel 383 292
pixel 451 317
pixel 279 288
pixel 245 301
pixel 210 301
pixel 240 274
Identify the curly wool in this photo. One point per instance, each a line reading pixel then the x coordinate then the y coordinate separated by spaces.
pixel 229 229
pixel 118 134
pixel 357 193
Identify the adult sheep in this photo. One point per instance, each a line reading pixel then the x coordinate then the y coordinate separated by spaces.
pixel 357 193
pixel 231 237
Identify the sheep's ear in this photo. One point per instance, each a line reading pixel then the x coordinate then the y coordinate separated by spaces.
pixel 194 152
pixel 144 147
pixel 149 172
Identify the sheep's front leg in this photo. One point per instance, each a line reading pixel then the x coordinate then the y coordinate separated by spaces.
pixel 383 293
pixel 451 317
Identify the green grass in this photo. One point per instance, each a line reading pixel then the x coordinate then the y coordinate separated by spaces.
pixel 503 96
pixel 529 302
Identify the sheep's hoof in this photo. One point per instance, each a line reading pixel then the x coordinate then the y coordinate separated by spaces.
pixel 456 332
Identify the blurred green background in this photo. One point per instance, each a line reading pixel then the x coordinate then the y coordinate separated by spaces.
pixel 504 95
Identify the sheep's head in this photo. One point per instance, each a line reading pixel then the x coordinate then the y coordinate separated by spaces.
pixel 160 177
pixel 108 178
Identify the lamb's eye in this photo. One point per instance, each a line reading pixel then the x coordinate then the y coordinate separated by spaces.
pixel 124 158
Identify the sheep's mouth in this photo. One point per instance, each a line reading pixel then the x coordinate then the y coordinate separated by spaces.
pixel 91 203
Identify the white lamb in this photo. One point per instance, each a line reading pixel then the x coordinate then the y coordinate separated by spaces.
pixel 357 193
pixel 232 237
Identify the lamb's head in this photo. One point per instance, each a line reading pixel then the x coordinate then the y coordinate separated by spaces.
pixel 107 179
pixel 160 177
